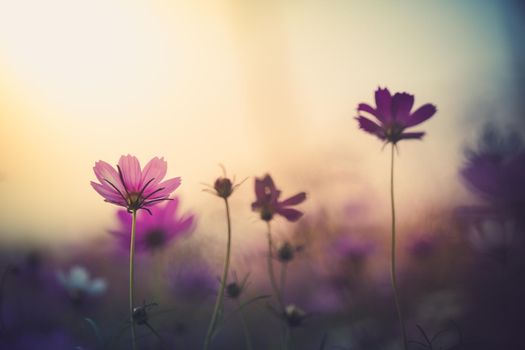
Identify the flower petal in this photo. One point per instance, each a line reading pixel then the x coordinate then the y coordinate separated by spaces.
pixel 371 127
pixel 421 114
pixel 383 103
pixel 155 169
pixel 290 214
pixel 411 136
pixel 130 167
pixel 168 187
pixel 364 107
pixel 401 105
pixel 105 172
pixel 294 200
pixel 108 193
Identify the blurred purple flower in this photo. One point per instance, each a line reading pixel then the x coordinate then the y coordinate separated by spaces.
pixel 267 201
pixel 495 171
pixel 421 246
pixel 349 248
pixel 394 116
pixel 156 231
pixel 43 341
pixel 192 280
pixel 133 188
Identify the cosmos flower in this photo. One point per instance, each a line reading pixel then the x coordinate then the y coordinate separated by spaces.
pixel 79 285
pixel 132 187
pixel 154 232
pixel 393 115
pixel 267 201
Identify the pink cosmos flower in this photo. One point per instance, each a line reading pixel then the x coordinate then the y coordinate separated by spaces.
pixel 133 188
pixel 156 231
pixel 267 202
pixel 393 116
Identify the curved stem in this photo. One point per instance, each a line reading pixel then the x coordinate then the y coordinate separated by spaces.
pixel 246 331
pixel 132 277
pixel 220 296
pixel 393 253
pixel 271 272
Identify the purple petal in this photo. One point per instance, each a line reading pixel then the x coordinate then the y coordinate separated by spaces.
pixel 421 114
pixel 411 136
pixel 371 127
pixel 363 107
pixel 290 214
pixel 259 188
pixel 401 105
pixel 294 200
pixel 383 103
pixel 131 173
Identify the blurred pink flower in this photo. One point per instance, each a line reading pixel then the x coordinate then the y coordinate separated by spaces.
pixel 133 188
pixel 394 116
pixel 154 232
pixel 267 201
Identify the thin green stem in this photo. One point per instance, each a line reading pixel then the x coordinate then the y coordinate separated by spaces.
pixel 393 253
pixel 271 272
pixel 220 296
pixel 245 329
pixel 132 278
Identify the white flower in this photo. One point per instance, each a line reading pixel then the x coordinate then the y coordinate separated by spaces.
pixel 77 281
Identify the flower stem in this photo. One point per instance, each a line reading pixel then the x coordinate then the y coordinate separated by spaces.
pixel 246 331
pixel 284 267
pixel 271 272
pixel 132 277
pixel 220 296
pixel 393 254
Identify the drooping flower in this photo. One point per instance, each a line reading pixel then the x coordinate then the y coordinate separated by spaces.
pixel 393 115
pixel 79 285
pixel 132 187
pixel 154 232
pixel 267 201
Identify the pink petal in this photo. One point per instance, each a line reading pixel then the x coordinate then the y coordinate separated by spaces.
pixel 130 167
pixel 155 169
pixel 108 193
pixel 168 187
pixel 104 171
pixel 297 199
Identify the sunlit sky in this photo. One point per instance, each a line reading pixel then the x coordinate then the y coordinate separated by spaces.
pixel 259 86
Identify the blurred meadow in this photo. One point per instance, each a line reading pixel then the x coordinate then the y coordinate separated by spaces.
pixel 263 87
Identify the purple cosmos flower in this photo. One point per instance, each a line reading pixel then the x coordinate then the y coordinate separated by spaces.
pixel 267 202
pixel 132 187
pixel 393 116
pixel 156 231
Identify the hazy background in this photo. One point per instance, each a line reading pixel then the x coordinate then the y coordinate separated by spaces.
pixel 259 86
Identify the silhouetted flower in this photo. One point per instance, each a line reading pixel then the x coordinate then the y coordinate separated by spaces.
pixel 234 289
pixel 393 115
pixel 133 188
pixel 223 187
pixel 79 285
pixel 154 232
pixel 267 201
pixel 286 251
